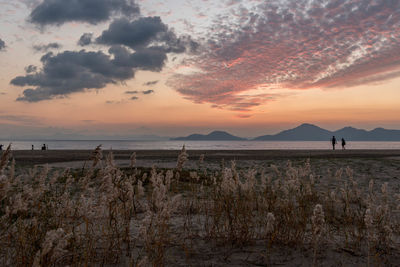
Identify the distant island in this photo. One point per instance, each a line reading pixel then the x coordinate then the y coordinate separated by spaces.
pixel 304 132
pixel 213 136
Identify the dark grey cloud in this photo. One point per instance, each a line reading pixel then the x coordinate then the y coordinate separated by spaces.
pixel 147 92
pixel 57 12
pixel 151 83
pixel 2 45
pixel 134 45
pixel 131 92
pixel 145 32
pixel 70 71
pixel 134 98
pixel 46 47
pixel 86 39
pixel 30 69
pixel 152 59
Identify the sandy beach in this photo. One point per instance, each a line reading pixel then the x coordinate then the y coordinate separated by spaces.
pixel 212 212
pixel 29 157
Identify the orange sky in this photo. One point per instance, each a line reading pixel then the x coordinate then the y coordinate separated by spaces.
pixel 271 86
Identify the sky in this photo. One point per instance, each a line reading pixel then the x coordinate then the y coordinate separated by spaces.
pixel 175 67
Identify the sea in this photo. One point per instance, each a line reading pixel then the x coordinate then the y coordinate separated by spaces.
pixel 192 145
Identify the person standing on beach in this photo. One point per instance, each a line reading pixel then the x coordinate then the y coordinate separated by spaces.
pixel 1 147
pixel 343 144
pixel 333 142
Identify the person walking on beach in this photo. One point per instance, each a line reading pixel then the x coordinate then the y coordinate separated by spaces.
pixel 343 144
pixel 333 142
pixel 1 147
pixel 33 147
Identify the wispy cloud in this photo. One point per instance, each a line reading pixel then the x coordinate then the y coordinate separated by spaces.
pixel 295 45
pixel 151 83
pixel 131 92
pixel 147 92
pixel 20 119
pixel 46 47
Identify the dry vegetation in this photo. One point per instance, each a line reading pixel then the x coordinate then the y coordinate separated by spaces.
pixel 104 215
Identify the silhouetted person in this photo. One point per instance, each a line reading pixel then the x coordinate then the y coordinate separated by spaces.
pixel 343 144
pixel 44 147
pixel 33 147
pixel 1 147
pixel 333 142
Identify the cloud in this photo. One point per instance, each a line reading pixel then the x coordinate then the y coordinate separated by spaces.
pixel 2 45
pixel 46 48
pixel 294 45
pixel 134 98
pixel 30 69
pixel 145 32
pixel 151 83
pixel 243 116
pixel 57 12
pixel 86 39
pixel 20 119
pixel 131 92
pixel 77 71
pixel 70 72
pixel 147 92
pixel 152 59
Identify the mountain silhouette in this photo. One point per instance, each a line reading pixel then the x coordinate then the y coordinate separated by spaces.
pixel 304 132
pixel 213 136
pixel 309 132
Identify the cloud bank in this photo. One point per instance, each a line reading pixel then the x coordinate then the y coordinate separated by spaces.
pixel 70 71
pixel 57 12
pixel 295 45
pixel 141 44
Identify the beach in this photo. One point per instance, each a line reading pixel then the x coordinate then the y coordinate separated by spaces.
pixel 204 208
pixel 53 156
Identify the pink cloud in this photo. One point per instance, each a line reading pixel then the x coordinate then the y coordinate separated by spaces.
pixel 295 45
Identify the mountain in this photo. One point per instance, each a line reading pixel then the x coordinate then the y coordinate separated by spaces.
pixel 213 136
pixel 350 133
pixel 378 134
pixel 304 132
pixel 309 132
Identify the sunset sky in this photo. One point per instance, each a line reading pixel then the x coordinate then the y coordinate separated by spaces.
pixel 175 67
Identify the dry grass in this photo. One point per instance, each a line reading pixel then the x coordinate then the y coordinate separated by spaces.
pixel 107 216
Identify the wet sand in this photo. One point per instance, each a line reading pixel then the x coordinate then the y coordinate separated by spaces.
pixel 29 157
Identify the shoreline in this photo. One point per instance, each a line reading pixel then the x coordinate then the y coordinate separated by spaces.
pixel 53 156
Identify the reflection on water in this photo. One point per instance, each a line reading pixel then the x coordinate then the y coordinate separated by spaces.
pixel 195 145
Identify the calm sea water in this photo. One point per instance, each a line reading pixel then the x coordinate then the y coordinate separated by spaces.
pixel 195 145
